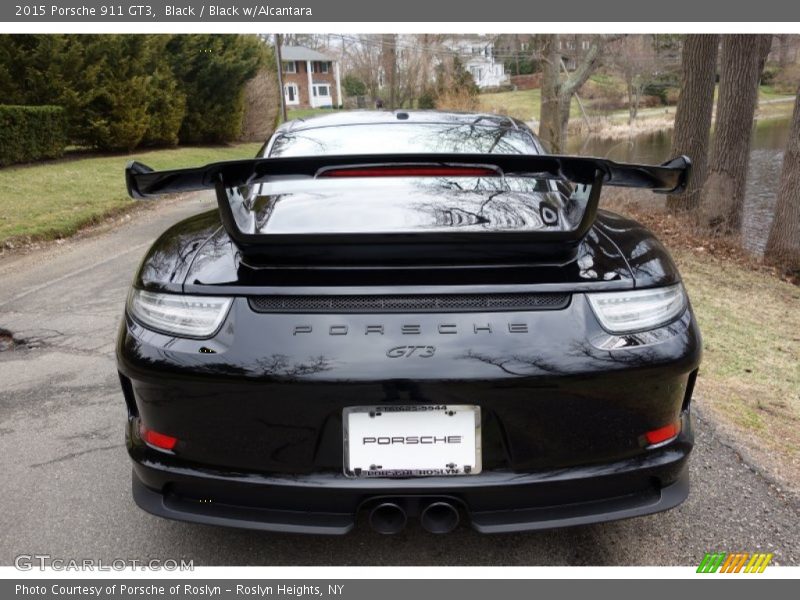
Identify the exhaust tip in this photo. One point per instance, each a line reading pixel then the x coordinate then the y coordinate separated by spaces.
pixel 388 518
pixel 439 517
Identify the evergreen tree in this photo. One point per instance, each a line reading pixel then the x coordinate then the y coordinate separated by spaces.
pixel 110 110
pixel 120 91
pixel 167 105
pixel 212 70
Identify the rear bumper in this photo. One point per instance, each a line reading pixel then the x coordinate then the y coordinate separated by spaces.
pixel 257 412
pixel 492 502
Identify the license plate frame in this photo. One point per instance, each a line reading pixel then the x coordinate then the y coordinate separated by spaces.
pixel 428 433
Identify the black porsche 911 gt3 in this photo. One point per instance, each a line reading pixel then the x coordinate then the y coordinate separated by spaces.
pixel 408 316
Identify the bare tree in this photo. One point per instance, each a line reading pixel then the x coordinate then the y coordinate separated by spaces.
pixel 308 40
pixel 788 50
pixel 636 60
pixel 408 59
pixel 783 50
pixel 557 93
pixel 549 115
pixel 363 60
pixel 783 244
pixel 742 59
pixel 693 115
pixel 414 71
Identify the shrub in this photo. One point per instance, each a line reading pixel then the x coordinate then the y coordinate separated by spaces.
pixel 769 74
pixel 260 107
pixel 455 87
pixel 353 86
pixel 426 100
pixel 672 96
pixel 785 81
pixel 29 133
pixel 604 89
pixel 522 64
pixel 604 94
pixel 457 100
pixel 661 85
pixel 650 102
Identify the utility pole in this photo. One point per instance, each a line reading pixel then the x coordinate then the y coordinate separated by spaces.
pixel 280 76
pixel 389 60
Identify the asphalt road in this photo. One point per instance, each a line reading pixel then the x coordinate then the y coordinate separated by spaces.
pixel 65 487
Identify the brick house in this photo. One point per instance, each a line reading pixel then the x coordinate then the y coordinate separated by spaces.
pixel 310 79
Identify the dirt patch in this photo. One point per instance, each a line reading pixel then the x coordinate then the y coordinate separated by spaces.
pixel 677 231
pixel 8 342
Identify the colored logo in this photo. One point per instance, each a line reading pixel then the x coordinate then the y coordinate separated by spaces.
pixel 737 562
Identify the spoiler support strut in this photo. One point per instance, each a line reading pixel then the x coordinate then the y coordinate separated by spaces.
pixel 226 177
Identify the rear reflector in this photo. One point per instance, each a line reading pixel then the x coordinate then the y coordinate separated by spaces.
pixel 159 440
pixel 410 171
pixel 662 434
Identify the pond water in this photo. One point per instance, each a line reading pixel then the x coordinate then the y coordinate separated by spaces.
pixel 766 158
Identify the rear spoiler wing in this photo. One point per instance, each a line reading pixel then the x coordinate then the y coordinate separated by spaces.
pixel 590 174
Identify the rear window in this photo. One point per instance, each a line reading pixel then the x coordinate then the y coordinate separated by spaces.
pixel 422 138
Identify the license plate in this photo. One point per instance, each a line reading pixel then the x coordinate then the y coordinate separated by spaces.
pixel 412 441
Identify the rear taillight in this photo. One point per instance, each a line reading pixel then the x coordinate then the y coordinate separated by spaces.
pixel 663 434
pixel 627 311
pixel 158 440
pixel 411 171
pixel 179 314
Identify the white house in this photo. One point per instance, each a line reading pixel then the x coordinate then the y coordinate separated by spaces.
pixel 477 54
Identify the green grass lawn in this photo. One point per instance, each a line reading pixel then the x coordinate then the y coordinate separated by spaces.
pixel 767 92
pixel 524 104
pixel 305 113
pixel 750 375
pixel 55 199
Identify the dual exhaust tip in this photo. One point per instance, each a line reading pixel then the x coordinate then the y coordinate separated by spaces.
pixel 438 516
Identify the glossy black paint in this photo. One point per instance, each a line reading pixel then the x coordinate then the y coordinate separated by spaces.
pixel 551 397
pixel 197 256
pixel 257 408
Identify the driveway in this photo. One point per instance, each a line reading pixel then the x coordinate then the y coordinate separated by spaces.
pixel 66 477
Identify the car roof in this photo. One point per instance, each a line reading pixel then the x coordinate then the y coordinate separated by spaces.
pixel 373 117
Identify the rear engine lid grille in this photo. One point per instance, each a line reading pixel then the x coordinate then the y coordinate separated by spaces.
pixel 409 303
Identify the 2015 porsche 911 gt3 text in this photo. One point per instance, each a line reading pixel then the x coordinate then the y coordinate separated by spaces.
pixel 414 316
